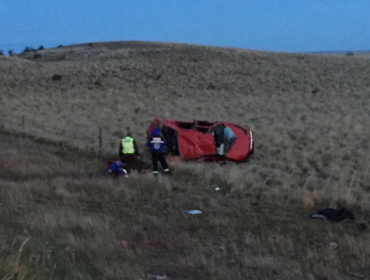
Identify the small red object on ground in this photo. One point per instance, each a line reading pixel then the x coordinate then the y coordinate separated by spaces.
pixel 122 243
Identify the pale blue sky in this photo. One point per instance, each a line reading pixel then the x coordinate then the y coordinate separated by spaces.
pixel 274 25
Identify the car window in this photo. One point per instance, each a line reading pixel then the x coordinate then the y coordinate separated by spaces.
pixel 229 139
pixel 205 123
pixel 185 125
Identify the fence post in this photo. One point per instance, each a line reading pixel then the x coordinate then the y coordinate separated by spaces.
pixel 23 122
pixel 328 182
pixel 100 139
pixel 352 181
pixel 269 177
pixel 308 179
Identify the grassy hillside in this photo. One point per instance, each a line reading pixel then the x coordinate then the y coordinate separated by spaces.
pixel 60 221
pixel 307 111
pixel 310 116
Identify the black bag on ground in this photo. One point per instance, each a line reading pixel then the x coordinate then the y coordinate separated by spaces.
pixel 334 215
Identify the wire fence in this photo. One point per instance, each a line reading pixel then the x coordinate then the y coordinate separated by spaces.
pixel 84 138
pixel 74 135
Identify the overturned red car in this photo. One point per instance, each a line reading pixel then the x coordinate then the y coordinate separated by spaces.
pixel 203 140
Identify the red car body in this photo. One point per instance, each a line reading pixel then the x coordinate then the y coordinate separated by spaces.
pixel 203 140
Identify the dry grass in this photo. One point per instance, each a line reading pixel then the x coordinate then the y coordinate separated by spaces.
pixel 248 230
pixel 310 117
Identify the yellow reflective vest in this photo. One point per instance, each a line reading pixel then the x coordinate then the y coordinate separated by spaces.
pixel 128 145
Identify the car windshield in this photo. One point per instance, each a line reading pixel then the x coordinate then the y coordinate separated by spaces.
pixel 229 139
pixel 224 138
pixel 185 125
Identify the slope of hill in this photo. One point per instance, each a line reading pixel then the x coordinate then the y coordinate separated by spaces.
pixel 62 219
pixel 309 113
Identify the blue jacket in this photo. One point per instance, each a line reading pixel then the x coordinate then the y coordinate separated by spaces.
pixel 156 143
pixel 117 168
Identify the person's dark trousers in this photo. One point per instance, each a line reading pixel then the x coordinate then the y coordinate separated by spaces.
pixel 158 156
pixel 131 162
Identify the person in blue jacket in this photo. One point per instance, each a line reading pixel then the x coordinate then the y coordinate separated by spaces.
pixel 157 145
pixel 116 168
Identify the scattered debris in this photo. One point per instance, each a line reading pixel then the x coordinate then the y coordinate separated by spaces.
pixel 149 241
pixel 158 277
pixel 137 109
pixel 211 86
pixel 356 274
pixel 334 215
pixel 122 243
pixel 158 77
pixel 315 90
pixel 193 212
pixel 333 245
pixel 56 77
pixel 362 226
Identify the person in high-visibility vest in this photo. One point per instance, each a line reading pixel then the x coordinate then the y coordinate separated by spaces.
pixel 129 153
